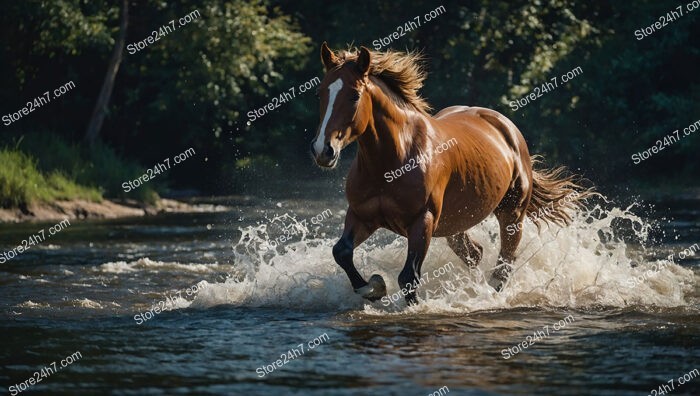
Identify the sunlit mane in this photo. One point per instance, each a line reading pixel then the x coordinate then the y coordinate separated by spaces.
pixel 402 72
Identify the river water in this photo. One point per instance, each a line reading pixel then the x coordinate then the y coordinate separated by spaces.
pixel 207 303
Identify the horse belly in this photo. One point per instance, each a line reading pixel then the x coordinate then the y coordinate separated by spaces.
pixel 464 205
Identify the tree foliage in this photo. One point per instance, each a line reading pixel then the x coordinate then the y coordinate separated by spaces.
pixel 194 86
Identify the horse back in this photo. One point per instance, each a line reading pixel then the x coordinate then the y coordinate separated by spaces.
pixel 470 115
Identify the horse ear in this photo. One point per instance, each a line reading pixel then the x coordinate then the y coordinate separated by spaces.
pixel 363 61
pixel 328 57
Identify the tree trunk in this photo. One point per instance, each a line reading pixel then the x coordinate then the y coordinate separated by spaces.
pixel 98 114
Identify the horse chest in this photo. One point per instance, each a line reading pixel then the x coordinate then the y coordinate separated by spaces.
pixel 388 206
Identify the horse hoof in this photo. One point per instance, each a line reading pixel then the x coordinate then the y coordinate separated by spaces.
pixel 411 299
pixel 499 276
pixel 374 290
pixel 496 283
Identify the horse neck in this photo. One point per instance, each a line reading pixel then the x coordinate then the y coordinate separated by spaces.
pixel 389 136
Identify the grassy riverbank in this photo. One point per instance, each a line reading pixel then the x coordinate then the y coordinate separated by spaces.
pixel 42 168
pixel 22 183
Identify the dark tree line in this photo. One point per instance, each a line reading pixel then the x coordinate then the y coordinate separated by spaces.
pixel 194 86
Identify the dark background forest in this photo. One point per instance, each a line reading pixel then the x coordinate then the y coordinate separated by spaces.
pixel 194 86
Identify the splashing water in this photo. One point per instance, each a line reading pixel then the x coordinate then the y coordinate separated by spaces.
pixel 584 265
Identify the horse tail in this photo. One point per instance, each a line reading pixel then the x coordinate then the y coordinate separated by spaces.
pixel 556 194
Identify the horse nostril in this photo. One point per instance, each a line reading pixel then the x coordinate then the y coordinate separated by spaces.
pixel 328 151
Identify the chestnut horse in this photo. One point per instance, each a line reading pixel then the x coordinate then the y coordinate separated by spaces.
pixel 424 176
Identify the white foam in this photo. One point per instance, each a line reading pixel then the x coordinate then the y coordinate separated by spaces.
pixel 146 264
pixel 86 303
pixel 585 265
pixel 32 304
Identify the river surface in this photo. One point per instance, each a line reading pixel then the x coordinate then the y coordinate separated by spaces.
pixel 207 304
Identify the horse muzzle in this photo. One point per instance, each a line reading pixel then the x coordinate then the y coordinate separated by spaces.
pixel 327 158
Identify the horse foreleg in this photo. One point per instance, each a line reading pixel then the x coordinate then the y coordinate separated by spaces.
pixel 354 234
pixel 419 235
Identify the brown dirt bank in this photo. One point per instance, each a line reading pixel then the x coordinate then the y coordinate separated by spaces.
pixel 82 209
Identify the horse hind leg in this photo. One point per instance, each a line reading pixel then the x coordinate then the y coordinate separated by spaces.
pixel 510 214
pixel 467 250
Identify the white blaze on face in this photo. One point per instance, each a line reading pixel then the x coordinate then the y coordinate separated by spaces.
pixel 333 89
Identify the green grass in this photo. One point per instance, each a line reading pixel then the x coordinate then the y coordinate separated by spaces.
pixel 22 183
pixel 42 167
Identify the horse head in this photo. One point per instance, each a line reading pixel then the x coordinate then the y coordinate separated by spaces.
pixel 345 111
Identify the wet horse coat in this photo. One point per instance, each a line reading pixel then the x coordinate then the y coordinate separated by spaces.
pixel 372 98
